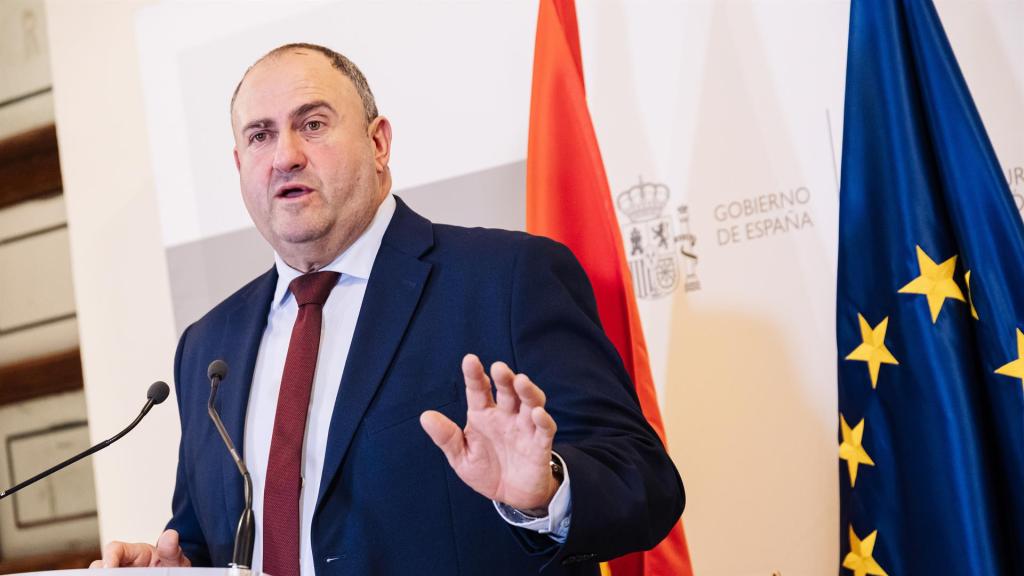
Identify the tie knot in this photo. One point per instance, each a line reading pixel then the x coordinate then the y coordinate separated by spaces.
pixel 313 288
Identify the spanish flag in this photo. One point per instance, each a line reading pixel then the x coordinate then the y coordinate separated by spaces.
pixel 568 199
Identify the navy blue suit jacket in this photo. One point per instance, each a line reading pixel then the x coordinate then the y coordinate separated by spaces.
pixel 389 503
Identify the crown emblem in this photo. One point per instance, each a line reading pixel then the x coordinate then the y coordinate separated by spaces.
pixel 644 201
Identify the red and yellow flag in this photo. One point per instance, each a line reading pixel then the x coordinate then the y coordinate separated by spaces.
pixel 568 199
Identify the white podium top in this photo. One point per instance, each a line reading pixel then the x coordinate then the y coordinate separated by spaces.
pixel 146 572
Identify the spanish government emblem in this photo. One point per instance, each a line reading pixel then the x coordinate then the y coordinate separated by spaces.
pixel 659 258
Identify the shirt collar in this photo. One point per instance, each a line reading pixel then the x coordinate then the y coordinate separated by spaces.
pixel 356 260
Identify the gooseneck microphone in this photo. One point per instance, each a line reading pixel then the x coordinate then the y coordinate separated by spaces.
pixel 245 535
pixel 156 394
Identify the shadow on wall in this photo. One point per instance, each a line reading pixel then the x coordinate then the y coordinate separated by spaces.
pixel 738 430
pixel 747 426
pixel 204 272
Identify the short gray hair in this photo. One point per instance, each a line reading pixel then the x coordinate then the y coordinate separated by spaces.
pixel 340 63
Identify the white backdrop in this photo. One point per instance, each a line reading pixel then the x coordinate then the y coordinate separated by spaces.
pixel 732 109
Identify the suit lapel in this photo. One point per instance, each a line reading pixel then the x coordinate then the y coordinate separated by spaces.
pixel 392 295
pixel 240 345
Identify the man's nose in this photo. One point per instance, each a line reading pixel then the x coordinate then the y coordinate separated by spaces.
pixel 289 155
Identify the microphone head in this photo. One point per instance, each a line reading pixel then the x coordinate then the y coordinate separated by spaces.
pixel 158 391
pixel 218 369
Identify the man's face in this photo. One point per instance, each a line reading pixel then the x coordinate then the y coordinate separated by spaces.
pixel 312 172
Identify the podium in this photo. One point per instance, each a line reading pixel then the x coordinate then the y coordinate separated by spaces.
pixel 146 572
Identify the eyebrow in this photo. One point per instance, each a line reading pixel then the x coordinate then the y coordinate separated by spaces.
pixel 258 124
pixel 264 123
pixel 309 107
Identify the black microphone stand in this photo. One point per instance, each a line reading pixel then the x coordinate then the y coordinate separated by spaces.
pixel 156 394
pixel 245 535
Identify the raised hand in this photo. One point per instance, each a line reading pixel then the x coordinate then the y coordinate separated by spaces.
pixel 504 453
pixel 167 552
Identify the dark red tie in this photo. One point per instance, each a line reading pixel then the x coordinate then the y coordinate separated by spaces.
pixel 284 468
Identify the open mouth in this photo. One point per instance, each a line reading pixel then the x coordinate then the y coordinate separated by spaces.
pixel 292 191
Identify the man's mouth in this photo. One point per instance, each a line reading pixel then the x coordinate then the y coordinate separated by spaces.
pixel 292 191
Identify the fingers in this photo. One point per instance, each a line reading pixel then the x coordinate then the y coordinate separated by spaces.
pixel 478 386
pixel 113 552
pixel 444 433
pixel 528 392
pixel 121 554
pixel 545 432
pixel 512 389
pixel 517 396
pixel 532 415
pixel 524 420
pixel 503 376
pixel 168 550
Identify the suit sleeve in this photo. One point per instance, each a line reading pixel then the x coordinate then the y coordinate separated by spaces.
pixel 183 516
pixel 626 493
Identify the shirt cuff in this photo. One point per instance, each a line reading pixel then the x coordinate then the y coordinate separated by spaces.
pixel 556 523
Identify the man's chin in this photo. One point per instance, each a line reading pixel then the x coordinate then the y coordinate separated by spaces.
pixel 298 233
pixel 299 241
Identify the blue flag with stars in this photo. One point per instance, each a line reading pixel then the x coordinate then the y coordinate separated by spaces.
pixel 930 312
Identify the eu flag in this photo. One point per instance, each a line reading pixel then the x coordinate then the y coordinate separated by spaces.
pixel 930 312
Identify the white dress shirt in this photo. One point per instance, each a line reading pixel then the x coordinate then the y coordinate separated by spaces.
pixel 339 323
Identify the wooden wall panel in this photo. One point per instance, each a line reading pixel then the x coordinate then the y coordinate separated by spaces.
pixel 38 377
pixel 29 166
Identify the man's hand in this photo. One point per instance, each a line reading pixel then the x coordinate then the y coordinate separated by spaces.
pixel 167 552
pixel 505 451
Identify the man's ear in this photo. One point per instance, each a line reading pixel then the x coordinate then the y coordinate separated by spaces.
pixel 380 133
pixel 238 165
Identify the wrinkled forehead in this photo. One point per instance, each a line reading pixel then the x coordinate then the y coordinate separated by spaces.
pixel 280 82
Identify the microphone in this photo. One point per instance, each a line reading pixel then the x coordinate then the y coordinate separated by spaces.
pixel 245 535
pixel 156 394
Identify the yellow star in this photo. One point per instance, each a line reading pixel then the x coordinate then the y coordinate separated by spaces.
pixel 936 282
pixel 872 350
pixel 860 559
pixel 970 296
pixel 1015 368
pixel 852 450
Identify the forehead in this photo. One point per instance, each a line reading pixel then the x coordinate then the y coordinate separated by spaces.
pixel 280 83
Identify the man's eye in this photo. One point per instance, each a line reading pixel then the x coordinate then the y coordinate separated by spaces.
pixel 258 137
pixel 314 125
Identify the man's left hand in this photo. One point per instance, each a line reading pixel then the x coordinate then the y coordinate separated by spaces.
pixel 504 453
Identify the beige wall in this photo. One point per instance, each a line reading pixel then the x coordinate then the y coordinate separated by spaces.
pixel 120 275
pixel 31 293
pixel 720 115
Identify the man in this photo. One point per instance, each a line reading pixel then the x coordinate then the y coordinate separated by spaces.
pixel 375 440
